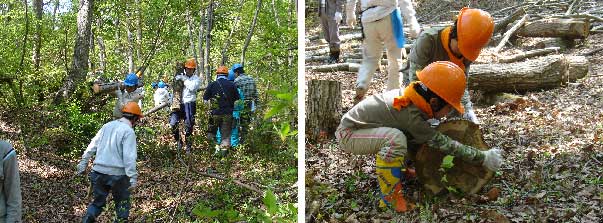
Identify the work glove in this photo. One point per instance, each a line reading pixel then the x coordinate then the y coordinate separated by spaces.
pixel 81 168
pixel 415 28
pixel 338 17
pixel 350 19
pixel 492 159
pixel 133 184
pixel 180 78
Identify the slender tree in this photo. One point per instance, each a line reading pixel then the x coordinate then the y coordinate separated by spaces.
pixel 255 18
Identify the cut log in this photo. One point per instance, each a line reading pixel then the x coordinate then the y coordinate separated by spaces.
pixel 359 61
pixel 556 27
pixel 156 108
pixel 542 73
pixel 528 54
pixel 501 25
pixel 349 67
pixel 323 108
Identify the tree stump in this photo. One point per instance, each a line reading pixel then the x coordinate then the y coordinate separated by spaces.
pixel 464 177
pixel 323 108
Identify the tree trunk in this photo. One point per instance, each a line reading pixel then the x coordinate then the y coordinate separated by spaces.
pixel 210 17
pixel 232 29
pixel 102 55
pixel 255 18
pixel 117 49
pixel 542 73
pixel 54 12
pixel 556 27
pixel 201 64
pixel 191 39
pixel 323 108
pixel 278 24
pixel 77 73
pixel 38 36
pixel 130 51
pixel 138 45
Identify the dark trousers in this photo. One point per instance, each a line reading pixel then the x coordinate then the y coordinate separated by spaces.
pixel 224 123
pixel 187 112
pixel 102 184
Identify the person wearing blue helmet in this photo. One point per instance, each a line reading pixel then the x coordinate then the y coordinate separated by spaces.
pixel 247 85
pixel 162 95
pixel 131 93
pixel 222 95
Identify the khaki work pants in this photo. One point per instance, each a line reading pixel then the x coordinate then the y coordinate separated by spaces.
pixel 389 143
pixel 376 35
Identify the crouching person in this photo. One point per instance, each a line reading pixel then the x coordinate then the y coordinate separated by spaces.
pixel 385 124
pixel 114 167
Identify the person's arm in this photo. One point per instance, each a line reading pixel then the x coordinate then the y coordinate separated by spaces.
pixel 420 55
pixel 408 11
pixel 90 151
pixel 130 155
pixel 208 92
pixel 12 187
pixel 491 159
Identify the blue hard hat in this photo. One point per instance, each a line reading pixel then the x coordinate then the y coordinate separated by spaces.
pixel 235 66
pixel 231 75
pixel 161 84
pixel 131 80
pixel 153 85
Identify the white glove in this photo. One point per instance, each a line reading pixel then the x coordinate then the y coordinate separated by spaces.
pixel 180 77
pixel 415 28
pixel 132 184
pixel 338 17
pixel 81 168
pixel 492 159
pixel 351 19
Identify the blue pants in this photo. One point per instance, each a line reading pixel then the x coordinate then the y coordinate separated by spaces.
pixel 102 184
pixel 187 112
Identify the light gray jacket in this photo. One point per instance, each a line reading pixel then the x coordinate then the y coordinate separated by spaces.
pixel 10 186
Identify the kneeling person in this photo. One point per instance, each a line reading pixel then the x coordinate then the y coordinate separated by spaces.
pixel 385 124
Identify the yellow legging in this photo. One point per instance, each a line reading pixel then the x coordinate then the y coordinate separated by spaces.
pixel 389 176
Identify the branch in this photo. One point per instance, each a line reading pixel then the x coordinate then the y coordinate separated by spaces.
pixel 510 32
pixel 575 4
pixel 500 25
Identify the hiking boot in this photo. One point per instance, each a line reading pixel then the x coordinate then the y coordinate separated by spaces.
pixel 333 57
pixel 188 147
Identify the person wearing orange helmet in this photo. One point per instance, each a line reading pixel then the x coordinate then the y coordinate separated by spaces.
pixel 391 123
pixel 188 106
pixel 222 94
pixel 460 43
pixel 114 167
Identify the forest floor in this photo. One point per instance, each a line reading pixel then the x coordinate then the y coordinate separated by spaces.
pixel 552 142
pixel 170 184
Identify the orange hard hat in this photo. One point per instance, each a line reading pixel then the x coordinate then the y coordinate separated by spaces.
pixel 132 108
pixel 222 70
pixel 474 28
pixel 190 63
pixel 447 80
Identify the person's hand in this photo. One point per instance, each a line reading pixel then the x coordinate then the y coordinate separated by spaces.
pixel 492 159
pixel 179 77
pixel 338 17
pixel 351 19
pixel 133 184
pixel 415 28
pixel 81 168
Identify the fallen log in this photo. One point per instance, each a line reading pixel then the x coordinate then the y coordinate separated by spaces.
pixel 348 67
pixel 528 54
pixel 556 27
pixel 325 58
pixel 542 73
pixel 359 61
pixel 156 108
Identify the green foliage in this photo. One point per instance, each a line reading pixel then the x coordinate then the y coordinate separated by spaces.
pixel 447 162
pixel 80 126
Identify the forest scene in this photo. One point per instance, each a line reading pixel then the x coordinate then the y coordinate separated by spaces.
pixel 546 119
pixel 55 55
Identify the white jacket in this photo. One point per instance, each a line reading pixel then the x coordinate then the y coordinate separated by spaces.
pixel 191 85
pixel 382 8
pixel 161 96
pixel 115 149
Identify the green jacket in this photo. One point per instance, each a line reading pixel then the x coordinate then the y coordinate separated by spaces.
pixel 428 49
pixel 378 111
pixel 10 185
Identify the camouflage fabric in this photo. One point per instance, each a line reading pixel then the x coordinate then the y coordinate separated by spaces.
pixel 452 147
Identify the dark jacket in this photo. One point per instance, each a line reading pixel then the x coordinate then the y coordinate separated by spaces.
pixel 225 93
